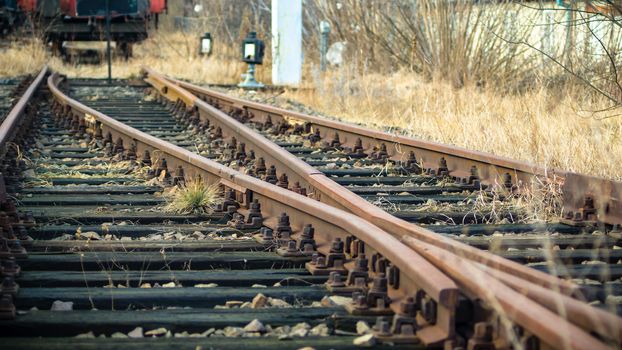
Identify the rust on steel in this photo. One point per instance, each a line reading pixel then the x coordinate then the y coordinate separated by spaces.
pixel 459 160
pixel 336 195
pixel 552 328
pixel 587 317
pixel 330 223
pixel 328 191
pixel 13 120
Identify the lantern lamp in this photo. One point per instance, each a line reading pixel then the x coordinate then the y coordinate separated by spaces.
pixel 206 44
pixel 252 53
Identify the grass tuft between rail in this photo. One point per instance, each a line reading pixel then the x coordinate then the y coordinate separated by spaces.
pixel 193 197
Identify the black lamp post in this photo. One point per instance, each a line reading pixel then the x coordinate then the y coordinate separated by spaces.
pixel 252 53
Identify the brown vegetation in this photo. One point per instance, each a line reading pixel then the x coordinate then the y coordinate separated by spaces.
pixel 450 90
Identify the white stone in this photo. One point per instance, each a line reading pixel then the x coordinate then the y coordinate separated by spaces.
pixel 156 332
pixel 278 303
pixel 336 300
pixel 136 333
pixel 365 340
pixel 259 301
pixel 62 306
pixel 362 328
pixel 254 326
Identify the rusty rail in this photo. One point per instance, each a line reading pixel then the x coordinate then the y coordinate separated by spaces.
pixel 14 119
pixel 334 194
pixel 324 189
pixel 416 273
pixel 604 196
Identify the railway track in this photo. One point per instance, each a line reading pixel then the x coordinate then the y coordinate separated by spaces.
pixel 465 212
pixel 415 192
pixel 108 265
pixel 91 185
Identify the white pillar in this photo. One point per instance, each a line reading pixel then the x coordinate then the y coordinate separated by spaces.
pixel 286 42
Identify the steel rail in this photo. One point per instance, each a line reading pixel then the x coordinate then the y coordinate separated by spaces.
pixel 9 129
pixel 336 195
pixel 14 119
pixel 606 195
pixel 550 327
pixel 529 320
pixel 416 273
pixel 328 191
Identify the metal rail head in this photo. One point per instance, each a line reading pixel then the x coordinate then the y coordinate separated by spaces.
pixel 401 282
pixel 324 189
pixel 14 127
pixel 491 169
pixel 329 192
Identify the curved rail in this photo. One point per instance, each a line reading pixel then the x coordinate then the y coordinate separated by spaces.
pixel 327 191
pixel 604 196
pixel 416 272
pixel 336 195
pixel 332 223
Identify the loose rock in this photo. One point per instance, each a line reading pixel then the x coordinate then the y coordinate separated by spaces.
pixel 136 333
pixel 156 332
pixel 362 328
pixel 62 306
pixel 255 326
pixel 259 301
pixel 335 300
pixel 320 330
pixel 233 332
pixel 365 340
pixel 86 335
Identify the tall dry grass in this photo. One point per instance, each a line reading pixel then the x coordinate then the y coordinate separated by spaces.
pixel 547 127
pixel 547 123
pixel 21 58
pixel 174 53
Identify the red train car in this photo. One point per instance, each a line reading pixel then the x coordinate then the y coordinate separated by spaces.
pixel 159 6
pixel 27 5
pixel 81 9
pixel 85 20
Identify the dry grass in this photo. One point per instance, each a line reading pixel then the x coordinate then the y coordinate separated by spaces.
pixel 194 197
pixel 550 127
pixel 21 58
pixel 174 54
pixel 554 129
